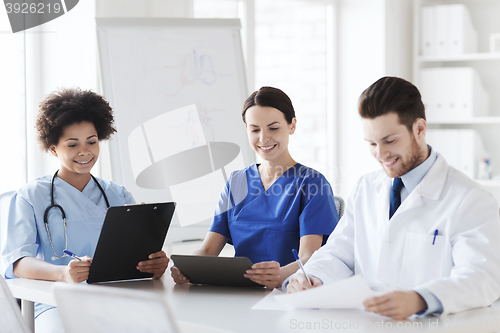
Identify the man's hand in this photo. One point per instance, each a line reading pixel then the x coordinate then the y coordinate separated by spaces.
pixel 396 304
pixel 299 283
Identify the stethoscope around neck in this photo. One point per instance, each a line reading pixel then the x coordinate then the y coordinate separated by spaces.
pixel 53 205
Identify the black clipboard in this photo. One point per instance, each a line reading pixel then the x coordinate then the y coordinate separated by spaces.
pixel 129 235
pixel 216 271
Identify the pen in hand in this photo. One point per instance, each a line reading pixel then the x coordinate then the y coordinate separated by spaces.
pixel 72 255
pixel 301 266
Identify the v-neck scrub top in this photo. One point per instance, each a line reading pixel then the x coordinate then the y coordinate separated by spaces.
pixel 85 212
pixel 266 225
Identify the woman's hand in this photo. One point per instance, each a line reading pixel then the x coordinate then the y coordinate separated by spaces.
pixel 266 273
pixel 157 264
pixel 178 276
pixel 77 271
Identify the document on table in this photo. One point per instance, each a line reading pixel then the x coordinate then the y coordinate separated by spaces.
pixel 344 294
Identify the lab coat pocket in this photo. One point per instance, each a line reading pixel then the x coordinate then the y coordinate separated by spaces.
pixel 424 259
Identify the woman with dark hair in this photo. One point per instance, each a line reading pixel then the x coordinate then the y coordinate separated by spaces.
pixel 268 209
pixel 65 211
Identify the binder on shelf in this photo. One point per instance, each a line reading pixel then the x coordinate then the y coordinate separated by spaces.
pixel 462 36
pixel 441 26
pixel 453 93
pixel 427 40
pixel 430 98
pixel 468 92
pixel 446 30
pixel 463 149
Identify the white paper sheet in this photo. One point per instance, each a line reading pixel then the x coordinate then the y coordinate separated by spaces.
pixel 344 294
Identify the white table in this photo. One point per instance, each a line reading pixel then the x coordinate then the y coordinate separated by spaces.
pixel 229 309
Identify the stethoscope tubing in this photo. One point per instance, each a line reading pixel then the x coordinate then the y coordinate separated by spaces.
pixel 53 205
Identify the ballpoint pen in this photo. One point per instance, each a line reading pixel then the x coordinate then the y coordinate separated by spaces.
pixel 71 254
pixel 301 266
pixel 435 234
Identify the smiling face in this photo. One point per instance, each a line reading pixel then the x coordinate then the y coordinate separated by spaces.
pixel 268 132
pixel 77 150
pixel 396 148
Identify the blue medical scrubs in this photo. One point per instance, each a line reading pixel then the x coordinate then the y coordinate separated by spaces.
pixel 267 225
pixel 85 212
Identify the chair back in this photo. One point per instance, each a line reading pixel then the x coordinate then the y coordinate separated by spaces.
pixel 89 308
pixel 340 205
pixel 11 320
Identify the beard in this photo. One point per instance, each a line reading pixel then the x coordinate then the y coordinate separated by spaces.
pixel 410 161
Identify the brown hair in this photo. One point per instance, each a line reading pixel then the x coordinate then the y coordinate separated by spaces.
pixel 68 106
pixel 272 97
pixel 392 94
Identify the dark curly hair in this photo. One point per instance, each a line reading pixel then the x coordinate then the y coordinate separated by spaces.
pixel 68 106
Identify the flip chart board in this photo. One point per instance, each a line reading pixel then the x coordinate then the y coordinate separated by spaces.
pixel 177 87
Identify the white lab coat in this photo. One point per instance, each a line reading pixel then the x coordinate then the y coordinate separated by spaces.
pixel 461 268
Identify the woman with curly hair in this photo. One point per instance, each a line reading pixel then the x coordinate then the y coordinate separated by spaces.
pixel 70 125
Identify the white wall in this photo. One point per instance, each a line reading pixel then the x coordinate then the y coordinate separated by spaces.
pixel 144 8
pixel 399 38
pixel 291 54
pixel 361 62
pixel 59 53
pixel 374 41
pixel 12 114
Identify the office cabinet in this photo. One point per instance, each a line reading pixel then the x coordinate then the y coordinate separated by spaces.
pixel 458 74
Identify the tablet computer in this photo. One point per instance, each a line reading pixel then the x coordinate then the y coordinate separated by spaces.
pixel 129 235
pixel 217 271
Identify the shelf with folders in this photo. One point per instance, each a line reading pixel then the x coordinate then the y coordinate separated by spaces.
pixel 464 121
pixel 457 72
pixel 460 57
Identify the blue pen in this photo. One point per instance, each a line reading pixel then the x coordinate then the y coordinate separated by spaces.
pixel 435 234
pixel 301 266
pixel 71 254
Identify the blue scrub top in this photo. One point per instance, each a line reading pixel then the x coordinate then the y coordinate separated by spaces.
pixel 85 212
pixel 267 225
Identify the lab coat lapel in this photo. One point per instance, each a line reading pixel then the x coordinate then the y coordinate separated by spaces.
pixel 414 200
pixel 430 187
pixel 432 184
